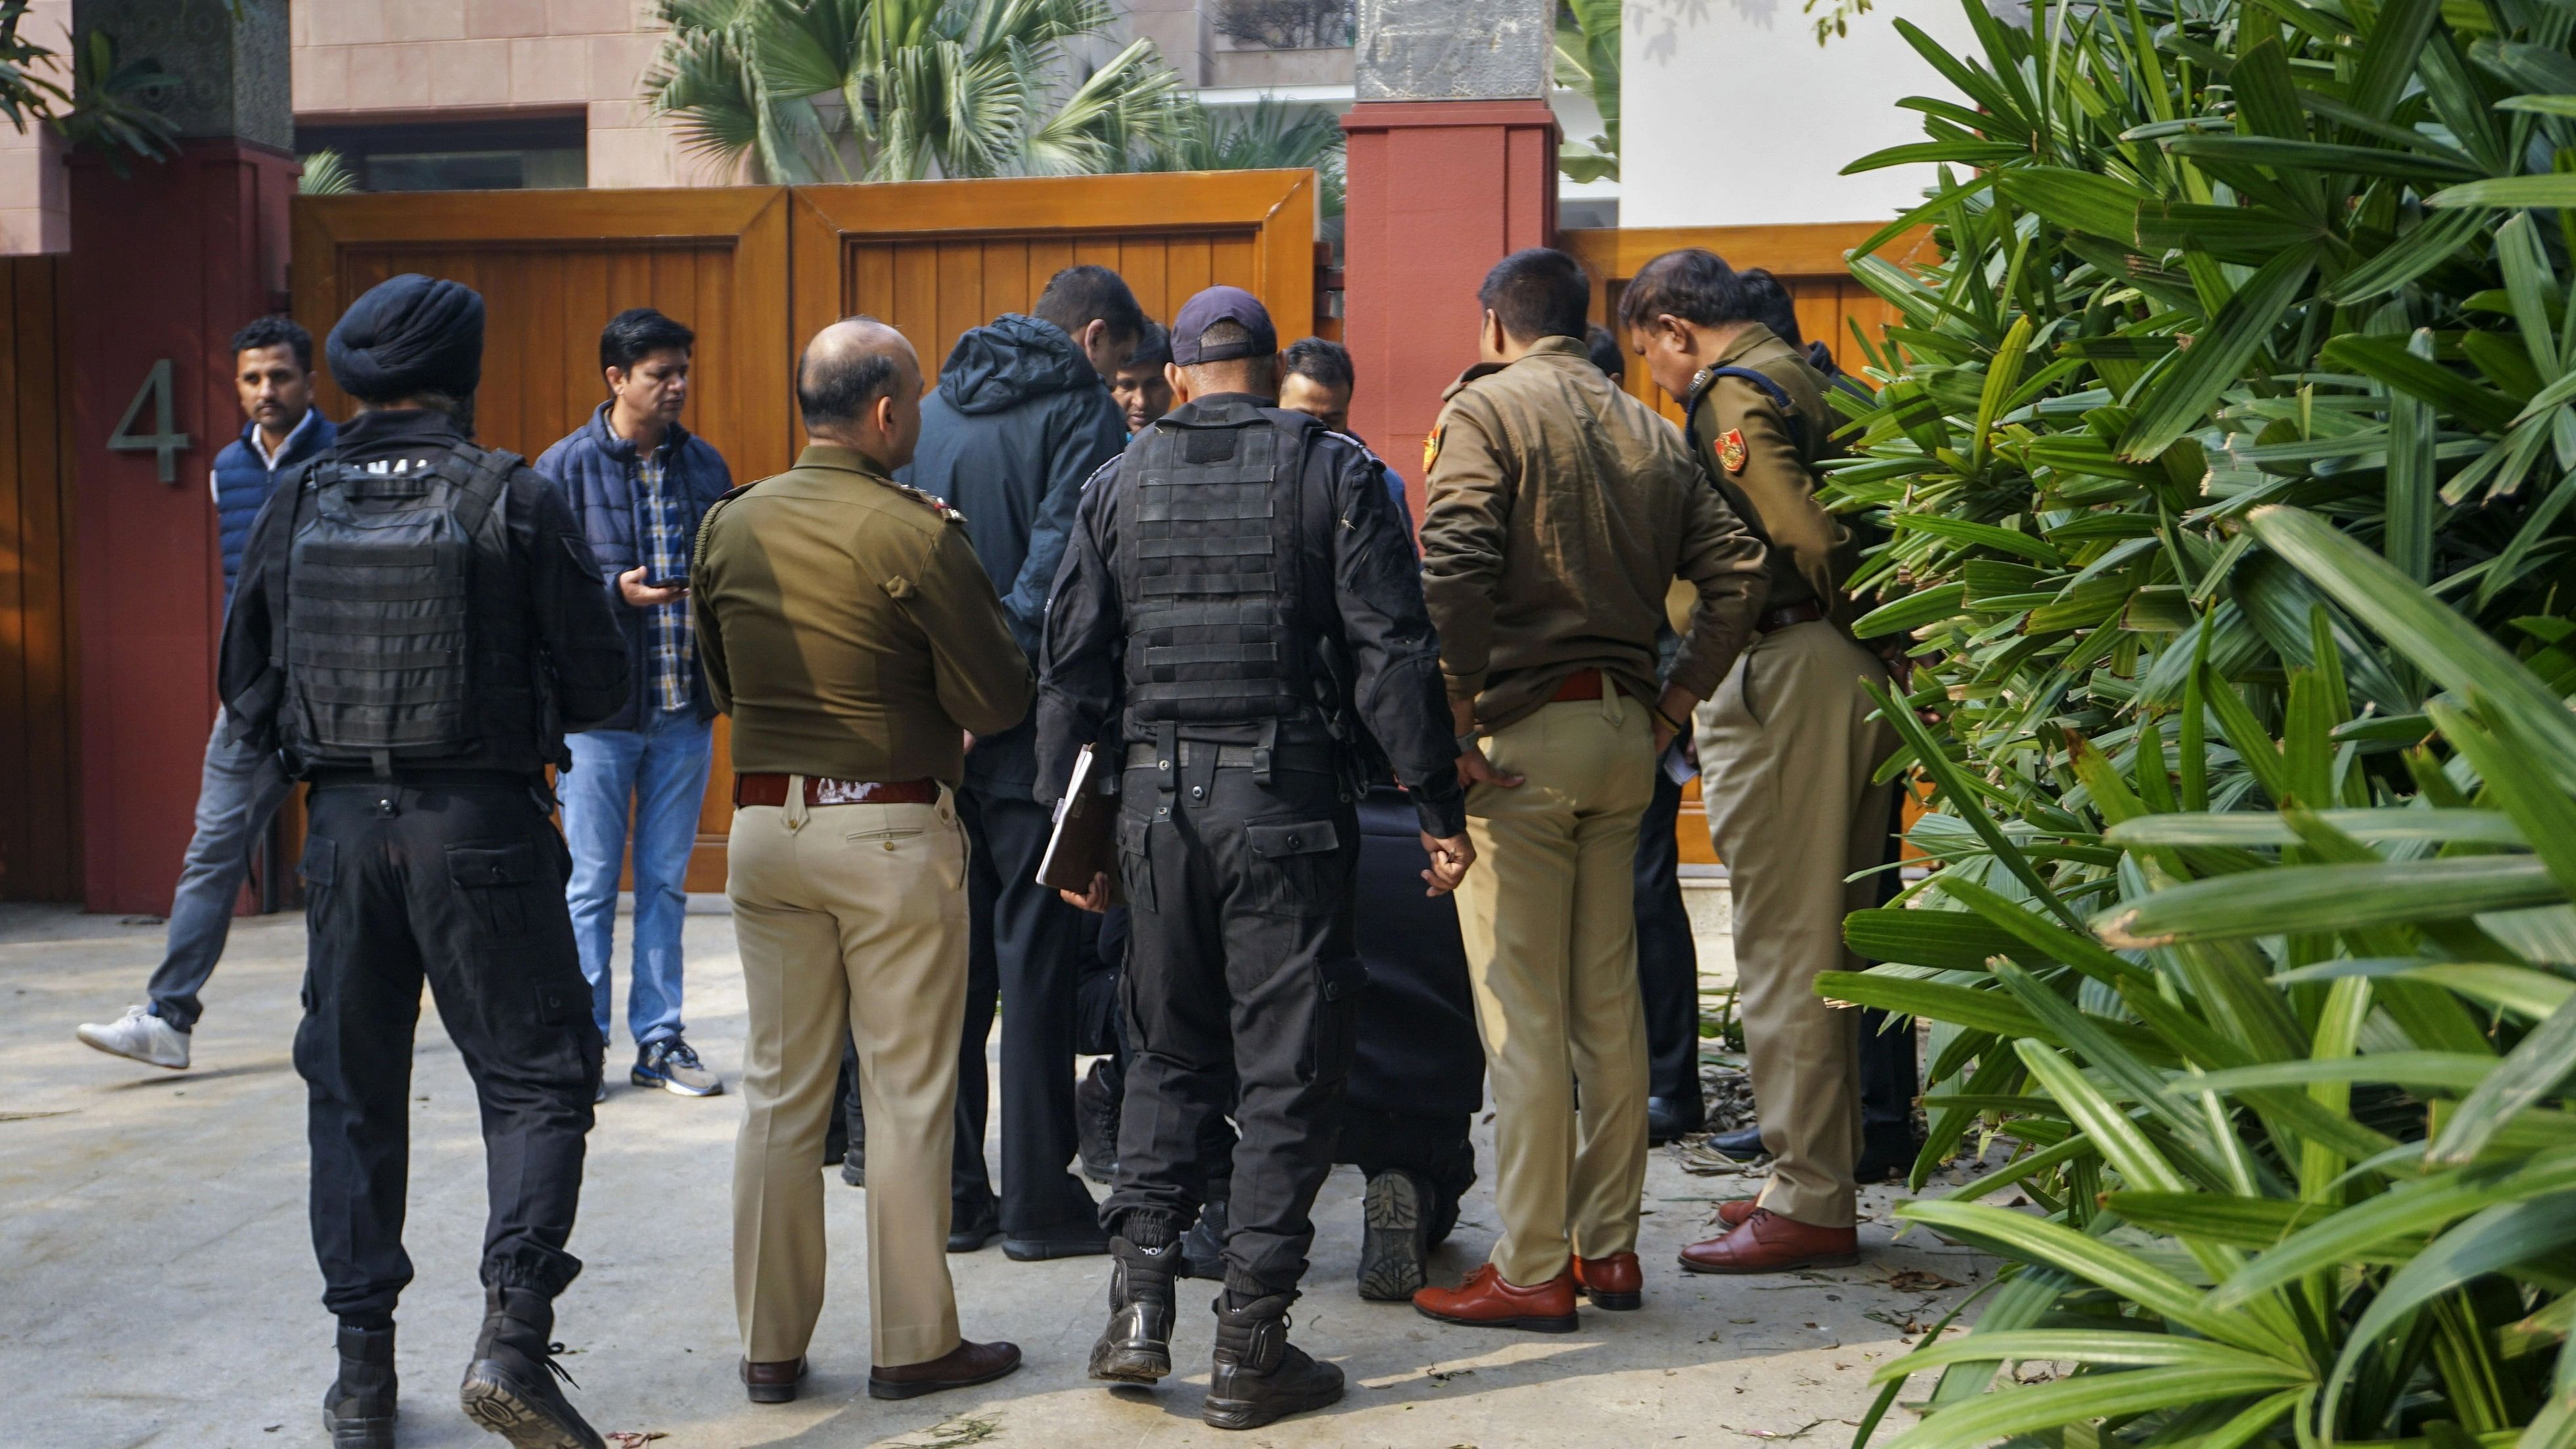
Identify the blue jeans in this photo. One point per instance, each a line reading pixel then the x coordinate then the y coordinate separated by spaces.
pixel 240 791
pixel 660 772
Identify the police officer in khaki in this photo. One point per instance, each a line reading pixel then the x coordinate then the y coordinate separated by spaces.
pixel 1560 512
pixel 1786 748
pixel 850 632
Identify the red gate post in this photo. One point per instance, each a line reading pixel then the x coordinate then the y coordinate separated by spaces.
pixel 167 260
pixel 1452 166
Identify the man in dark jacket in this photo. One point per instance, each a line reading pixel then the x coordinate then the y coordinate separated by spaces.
pixel 1022 416
pixel 640 483
pixel 242 787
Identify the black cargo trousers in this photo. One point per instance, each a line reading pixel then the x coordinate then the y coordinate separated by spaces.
pixel 460 883
pixel 1241 992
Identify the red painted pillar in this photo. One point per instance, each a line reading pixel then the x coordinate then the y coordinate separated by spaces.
pixel 1438 192
pixel 166 262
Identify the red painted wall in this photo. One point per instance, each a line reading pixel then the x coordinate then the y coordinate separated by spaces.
pixel 1438 192
pixel 166 262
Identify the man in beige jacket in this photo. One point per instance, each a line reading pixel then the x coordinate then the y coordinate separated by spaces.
pixel 850 632
pixel 1560 512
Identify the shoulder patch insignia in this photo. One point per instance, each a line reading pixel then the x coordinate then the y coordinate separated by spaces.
pixel 935 505
pixel 1731 451
pixel 1431 449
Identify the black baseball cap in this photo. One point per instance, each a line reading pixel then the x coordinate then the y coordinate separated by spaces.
pixel 1222 304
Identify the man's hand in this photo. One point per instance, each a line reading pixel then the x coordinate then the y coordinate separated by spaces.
pixel 1474 769
pixel 1449 861
pixel 639 594
pixel 1095 902
pixel 969 738
pixel 1671 711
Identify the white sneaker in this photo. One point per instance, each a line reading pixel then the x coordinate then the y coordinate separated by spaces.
pixel 140 1035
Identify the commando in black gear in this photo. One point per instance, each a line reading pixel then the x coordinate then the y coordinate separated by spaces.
pixel 359 1410
pixel 430 856
pixel 1240 624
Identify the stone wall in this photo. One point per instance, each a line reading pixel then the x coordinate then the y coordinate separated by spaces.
pixel 35 195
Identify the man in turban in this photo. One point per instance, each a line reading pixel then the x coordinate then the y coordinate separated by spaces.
pixel 418 620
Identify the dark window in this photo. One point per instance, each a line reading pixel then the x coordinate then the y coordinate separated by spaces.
pixel 506 154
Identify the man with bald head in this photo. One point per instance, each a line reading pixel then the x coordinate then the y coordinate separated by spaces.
pixel 849 630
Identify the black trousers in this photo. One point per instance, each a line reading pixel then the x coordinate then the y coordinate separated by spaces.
pixel 1434 1147
pixel 1242 988
pixel 1027 945
pixel 462 885
pixel 1667 959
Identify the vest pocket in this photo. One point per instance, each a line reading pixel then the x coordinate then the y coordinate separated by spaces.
pixel 1294 867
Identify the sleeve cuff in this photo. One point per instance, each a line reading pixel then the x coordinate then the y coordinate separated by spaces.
pixel 1441 805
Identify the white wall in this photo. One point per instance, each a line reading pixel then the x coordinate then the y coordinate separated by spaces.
pixel 1731 116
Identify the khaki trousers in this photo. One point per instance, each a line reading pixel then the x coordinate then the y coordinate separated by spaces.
pixel 1550 922
pixel 849 914
pixel 1786 749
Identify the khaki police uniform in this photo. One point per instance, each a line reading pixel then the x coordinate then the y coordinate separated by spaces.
pixel 849 631
pixel 1559 511
pixel 1787 747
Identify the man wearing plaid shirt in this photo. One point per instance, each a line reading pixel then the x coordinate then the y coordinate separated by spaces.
pixel 639 482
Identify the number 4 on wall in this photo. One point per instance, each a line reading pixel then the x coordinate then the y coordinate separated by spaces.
pixel 162 439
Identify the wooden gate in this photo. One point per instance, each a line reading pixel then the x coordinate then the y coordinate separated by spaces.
pixel 757 270
pixel 40 845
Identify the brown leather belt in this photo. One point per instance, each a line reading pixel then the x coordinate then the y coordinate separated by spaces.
pixel 1581 684
pixel 1775 620
pixel 768 789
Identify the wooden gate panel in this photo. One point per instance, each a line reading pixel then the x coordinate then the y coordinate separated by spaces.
pixel 40 836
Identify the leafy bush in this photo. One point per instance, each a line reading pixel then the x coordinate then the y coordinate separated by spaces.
pixel 2224 452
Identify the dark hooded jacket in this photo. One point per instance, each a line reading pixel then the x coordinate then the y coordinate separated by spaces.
pixel 1019 420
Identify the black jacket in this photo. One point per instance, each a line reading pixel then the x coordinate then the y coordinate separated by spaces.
pixel 1018 421
pixel 584 652
pixel 1379 622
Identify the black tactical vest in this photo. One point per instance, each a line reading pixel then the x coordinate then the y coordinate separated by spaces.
pixel 1209 521
pixel 402 631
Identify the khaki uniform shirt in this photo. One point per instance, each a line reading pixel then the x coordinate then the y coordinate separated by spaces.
pixel 1560 511
pixel 847 627
pixel 1770 480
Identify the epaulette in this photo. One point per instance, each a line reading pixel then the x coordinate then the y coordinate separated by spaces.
pixel 935 505
pixel 1096 474
pixel 1365 450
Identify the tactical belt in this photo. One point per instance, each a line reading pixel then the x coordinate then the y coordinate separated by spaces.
pixel 419 778
pixel 771 789
pixel 1782 617
pixel 1145 754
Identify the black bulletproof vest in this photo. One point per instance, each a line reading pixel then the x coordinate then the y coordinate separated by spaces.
pixel 402 634
pixel 1209 521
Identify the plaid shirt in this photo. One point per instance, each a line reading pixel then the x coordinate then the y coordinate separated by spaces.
pixel 665 546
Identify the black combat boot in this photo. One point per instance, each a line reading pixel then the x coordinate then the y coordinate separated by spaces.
pixel 1203 1246
pixel 1096 1107
pixel 359 1409
pixel 1259 1375
pixel 510 1388
pixel 1136 1347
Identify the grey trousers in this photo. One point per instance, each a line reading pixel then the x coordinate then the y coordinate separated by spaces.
pixel 239 793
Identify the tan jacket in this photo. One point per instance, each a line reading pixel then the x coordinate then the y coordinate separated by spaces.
pixel 1560 511
pixel 1770 480
pixel 847 627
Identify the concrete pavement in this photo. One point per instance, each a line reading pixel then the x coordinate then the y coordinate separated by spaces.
pixel 157 1284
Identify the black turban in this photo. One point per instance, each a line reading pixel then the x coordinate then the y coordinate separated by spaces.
pixel 410 335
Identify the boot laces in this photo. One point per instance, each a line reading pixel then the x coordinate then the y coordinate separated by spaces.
pixel 555 1366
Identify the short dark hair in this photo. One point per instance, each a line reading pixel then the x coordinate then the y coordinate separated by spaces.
pixel 637 333
pixel 275 330
pixel 1769 303
pixel 1603 344
pixel 1540 292
pixel 1694 284
pixel 1079 296
pixel 840 387
pixel 1226 332
pixel 1154 348
pixel 1326 361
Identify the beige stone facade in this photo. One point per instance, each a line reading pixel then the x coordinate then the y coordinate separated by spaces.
pixel 35 193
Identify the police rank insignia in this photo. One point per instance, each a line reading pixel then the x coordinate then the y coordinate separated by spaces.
pixel 1731 451
pixel 1430 449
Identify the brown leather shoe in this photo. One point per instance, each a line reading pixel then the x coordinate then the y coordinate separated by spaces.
pixel 967 1364
pixel 1484 1300
pixel 1615 1282
pixel 773 1383
pixel 1734 1211
pixel 1766 1242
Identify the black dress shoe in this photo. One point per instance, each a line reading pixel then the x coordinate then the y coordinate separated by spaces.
pixel 970 1228
pixel 1668 1118
pixel 1743 1144
pixel 1079 1238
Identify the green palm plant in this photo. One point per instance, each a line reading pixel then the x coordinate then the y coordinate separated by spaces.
pixel 326 173
pixel 2224 450
pixel 1268 135
pixel 1587 60
pixel 895 90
